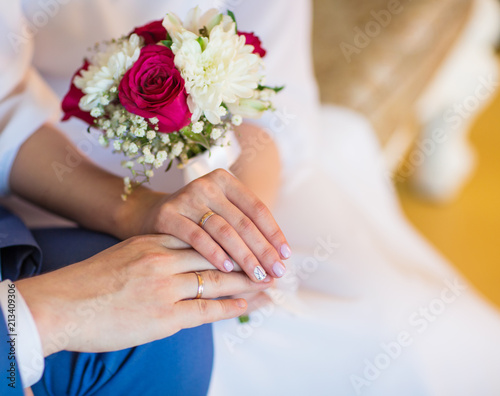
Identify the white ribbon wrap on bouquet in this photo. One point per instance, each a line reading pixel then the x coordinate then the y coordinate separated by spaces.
pixel 215 158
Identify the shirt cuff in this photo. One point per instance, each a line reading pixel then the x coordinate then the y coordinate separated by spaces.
pixel 22 328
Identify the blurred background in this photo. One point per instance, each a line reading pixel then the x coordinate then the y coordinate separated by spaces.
pixel 426 75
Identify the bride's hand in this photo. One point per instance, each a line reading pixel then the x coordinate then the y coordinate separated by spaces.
pixel 242 227
pixel 135 292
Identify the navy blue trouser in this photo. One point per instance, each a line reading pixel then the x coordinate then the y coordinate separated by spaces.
pixel 177 365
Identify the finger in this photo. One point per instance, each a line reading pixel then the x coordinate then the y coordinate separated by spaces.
pixel 254 208
pixel 174 243
pixel 215 284
pixel 197 312
pixel 255 301
pixel 189 260
pixel 191 233
pixel 265 253
pixel 227 237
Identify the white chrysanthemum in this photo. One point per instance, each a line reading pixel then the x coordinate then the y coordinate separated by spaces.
pixel 194 21
pixel 217 69
pixel 106 70
pixel 249 108
pixel 151 135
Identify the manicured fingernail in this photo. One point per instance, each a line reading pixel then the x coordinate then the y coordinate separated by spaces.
pixel 259 273
pixel 268 279
pixel 286 252
pixel 228 265
pixel 279 269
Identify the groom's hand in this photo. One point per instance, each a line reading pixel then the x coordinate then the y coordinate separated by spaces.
pixel 132 293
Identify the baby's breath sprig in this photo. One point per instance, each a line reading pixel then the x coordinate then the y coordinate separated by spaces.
pixel 147 149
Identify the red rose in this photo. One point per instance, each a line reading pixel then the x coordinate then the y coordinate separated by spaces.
pixel 153 87
pixel 72 98
pixel 252 39
pixel 152 33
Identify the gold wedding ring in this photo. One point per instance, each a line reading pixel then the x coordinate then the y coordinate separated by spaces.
pixel 200 285
pixel 205 218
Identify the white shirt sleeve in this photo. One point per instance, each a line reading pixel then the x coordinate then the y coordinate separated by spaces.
pixel 22 329
pixel 26 101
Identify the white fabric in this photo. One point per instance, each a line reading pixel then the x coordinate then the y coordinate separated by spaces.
pixel 224 155
pixel 29 353
pixel 25 100
pixel 363 277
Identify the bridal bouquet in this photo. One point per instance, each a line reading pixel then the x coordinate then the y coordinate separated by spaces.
pixel 170 90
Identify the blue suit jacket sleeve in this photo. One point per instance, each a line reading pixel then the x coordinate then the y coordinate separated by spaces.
pixel 20 255
pixel 10 380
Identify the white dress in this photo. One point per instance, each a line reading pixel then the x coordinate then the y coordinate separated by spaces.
pixel 367 307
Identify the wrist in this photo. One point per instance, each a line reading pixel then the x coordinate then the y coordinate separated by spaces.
pixel 132 216
pixel 47 319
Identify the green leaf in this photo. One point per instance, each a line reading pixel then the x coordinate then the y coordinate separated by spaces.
pixel 244 319
pixel 275 89
pixel 231 14
pixel 198 138
pixel 167 43
pixel 169 165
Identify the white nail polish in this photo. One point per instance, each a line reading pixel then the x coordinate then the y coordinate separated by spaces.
pixel 259 273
